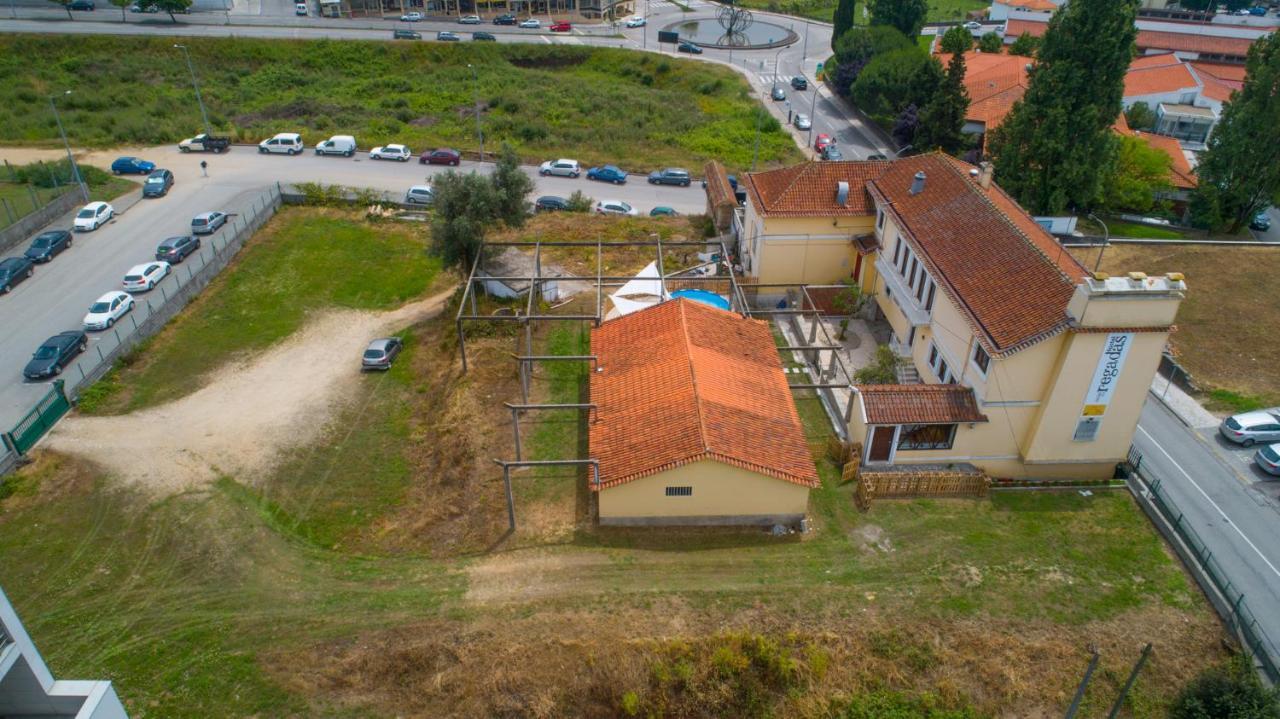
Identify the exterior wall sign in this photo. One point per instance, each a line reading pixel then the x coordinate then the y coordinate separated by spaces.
pixel 1105 376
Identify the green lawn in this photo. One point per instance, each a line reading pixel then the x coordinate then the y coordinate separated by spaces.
pixel 16 200
pixel 639 110
pixel 305 260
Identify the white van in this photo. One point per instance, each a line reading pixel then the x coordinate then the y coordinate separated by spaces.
pixel 420 195
pixel 344 145
pixel 285 143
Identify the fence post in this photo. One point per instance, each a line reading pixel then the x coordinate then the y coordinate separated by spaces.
pixel 35 201
pixel 132 319
pixel 100 357
pixel 164 294
pixel 8 210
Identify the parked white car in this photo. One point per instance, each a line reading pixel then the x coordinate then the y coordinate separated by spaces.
pixel 636 21
pixel 532 23
pixel 411 17
pixel 562 168
pixel 399 153
pixel 93 215
pixel 419 195
pixel 141 278
pixel 973 25
pixel 284 143
pixel 344 145
pixel 615 207
pixel 109 308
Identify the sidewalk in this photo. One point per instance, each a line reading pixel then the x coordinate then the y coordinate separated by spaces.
pixel 1183 405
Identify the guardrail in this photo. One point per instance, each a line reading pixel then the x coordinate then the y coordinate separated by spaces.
pixel 1230 602
pixel 160 305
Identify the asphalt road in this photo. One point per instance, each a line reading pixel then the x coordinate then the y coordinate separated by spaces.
pixel 56 298
pixel 1227 499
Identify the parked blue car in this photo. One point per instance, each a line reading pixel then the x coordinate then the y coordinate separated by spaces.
pixel 132 166
pixel 608 173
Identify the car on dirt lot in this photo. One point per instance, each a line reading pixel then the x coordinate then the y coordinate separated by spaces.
pixel 1250 428
pixel 381 353
pixel 109 308
pixel 47 245
pixel 14 270
pixel 142 278
pixel 176 249
pixel 54 354
pixel 207 223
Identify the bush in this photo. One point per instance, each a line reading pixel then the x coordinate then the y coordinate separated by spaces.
pixel 882 370
pixel 1226 692
pixel 56 174
pixel 579 202
pixel 990 42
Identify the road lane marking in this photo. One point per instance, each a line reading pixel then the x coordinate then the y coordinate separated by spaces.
pixel 1210 500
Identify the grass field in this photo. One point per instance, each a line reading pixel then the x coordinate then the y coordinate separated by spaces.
pixel 639 110
pixel 1223 336
pixel 16 200
pixel 939 10
pixel 371 575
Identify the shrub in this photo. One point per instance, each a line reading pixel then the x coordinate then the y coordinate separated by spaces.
pixel 990 42
pixel 1226 692
pixel 579 202
pixel 882 370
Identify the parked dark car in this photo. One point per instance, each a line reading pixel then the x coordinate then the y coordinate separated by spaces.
pixel 778 93
pixel 81 5
pixel 662 211
pixel 505 19
pixel 405 35
pixel 670 176
pixel 1260 222
pixel 48 244
pixel 54 354
pixel 483 37
pixel 799 83
pixel 132 166
pixel 686 46
pixel 14 270
pixel 175 249
pixel 550 203
pixel 608 173
pixel 157 184
pixel 832 153
pixel 381 353
pixel 442 156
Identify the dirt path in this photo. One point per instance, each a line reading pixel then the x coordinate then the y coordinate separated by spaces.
pixel 239 422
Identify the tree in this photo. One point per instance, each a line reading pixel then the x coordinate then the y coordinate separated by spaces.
pixel 882 370
pixel 906 15
pixel 1025 45
pixel 906 126
pixel 991 42
pixel 66 5
pixel 1056 145
pixel 1140 117
pixel 123 5
pixel 512 187
pixel 894 80
pixel 957 39
pixel 1240 171
pixel 849 301
pixel 465 206
pixel 855 48
pixel 842 21
pixel 942 122
pixel 1139 172
pixel 1230 692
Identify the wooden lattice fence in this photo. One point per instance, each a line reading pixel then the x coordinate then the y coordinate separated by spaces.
pixel 926 483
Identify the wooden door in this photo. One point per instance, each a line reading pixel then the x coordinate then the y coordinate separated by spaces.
pixel 881 444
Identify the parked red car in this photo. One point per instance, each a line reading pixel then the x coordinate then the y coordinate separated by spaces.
pixel 824 140
pixel 443 156
pixel 561 26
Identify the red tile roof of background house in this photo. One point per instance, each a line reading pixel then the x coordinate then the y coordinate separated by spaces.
pixel 809 189
pixel 919 404
pixel 994 82
pixel 1004 272
pixel 1192 41
pixel 1032 5
pixel 683 382
pixel 1226 73
pixel 1219 80
pixel 1157 79
pixel 1180 172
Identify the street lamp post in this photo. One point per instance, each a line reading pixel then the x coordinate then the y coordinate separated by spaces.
pixel 75 171
pixel 777 60
pixel 1106 237
pixel 475 96
pixel 804 54
pixel 813 108
pixel 208 129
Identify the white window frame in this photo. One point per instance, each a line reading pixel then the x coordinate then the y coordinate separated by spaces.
pixel 973 359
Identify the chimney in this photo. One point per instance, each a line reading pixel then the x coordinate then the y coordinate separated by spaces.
pixel 973 173
pixel 917 184
pixel 984 176
pixel 842 193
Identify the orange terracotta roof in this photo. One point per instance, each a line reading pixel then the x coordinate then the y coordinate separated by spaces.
pixel 1192 41
pixel 719 191
pixel 994 81
pixel 919 404
pixel 1032 5
pixel 1180 173
pixel 1009 278
pixel 1226 73
pixel 682 382
pixel 1015 27
pixel 809 189
pixel 1218 89
pixel 1163 59
pixel 1158 79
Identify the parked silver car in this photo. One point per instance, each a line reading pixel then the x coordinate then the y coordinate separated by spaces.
pixel 381 353
pixel 1268 458
pixel 1252 427
pixel 560 168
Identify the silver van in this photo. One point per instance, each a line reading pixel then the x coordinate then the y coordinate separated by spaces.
pixel 284 143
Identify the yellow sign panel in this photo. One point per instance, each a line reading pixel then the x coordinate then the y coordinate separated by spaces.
pixel 1093 410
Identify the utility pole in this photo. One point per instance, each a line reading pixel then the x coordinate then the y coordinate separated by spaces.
pixel 813 108
pixel 777 64
pixel 475 95
pixel 75 171
pixel 208 129
pixel 1106 238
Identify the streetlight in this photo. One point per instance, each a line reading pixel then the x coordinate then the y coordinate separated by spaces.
pixel 1106 237
pixel 475 96
pixel 813 107
pixel 208 130
pixel 777 59
pixel 75 171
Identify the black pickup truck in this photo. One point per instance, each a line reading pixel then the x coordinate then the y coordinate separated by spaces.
pixel 204 143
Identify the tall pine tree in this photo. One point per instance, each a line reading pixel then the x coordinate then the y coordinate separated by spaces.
pixel 842 22
pixel 942 121
pixel 1240 171
pixel 906 15
pixel 1056 145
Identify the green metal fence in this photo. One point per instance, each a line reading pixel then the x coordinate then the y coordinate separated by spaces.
pixel 40 419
